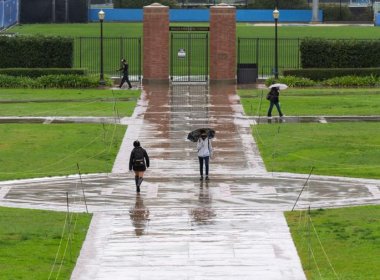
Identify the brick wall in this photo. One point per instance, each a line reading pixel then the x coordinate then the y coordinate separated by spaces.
pixel 222 44
pixel 156 43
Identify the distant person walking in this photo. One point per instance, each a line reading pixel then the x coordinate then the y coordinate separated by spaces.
pixel 204 148
pixel 138 161
pixel 273 97
pixel 125 78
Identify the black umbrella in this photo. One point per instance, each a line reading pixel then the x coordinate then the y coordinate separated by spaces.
pixel 195 134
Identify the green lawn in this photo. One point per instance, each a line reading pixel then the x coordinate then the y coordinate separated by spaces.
pixel 243 30
pixel 30 241
pixel 38 150
pixel 315 101
pixel 67 102
pixel 338 243
pixel 339 149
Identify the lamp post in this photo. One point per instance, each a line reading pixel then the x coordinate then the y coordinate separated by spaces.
pixel 101 15
pixel 276 15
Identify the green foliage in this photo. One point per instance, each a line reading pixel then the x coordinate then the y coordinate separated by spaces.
pixel 322 53
pixel 334 12
pixel 38 72
pixel 36 52
pixel 142 3
pixel 52 81
pixel 352 81
pixel 270 4
pixel 30 241
pixel 320 74
pixel 291 81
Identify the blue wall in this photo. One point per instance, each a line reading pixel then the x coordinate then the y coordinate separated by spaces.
pixel 377 19
pixel 8 13
pixel 203 15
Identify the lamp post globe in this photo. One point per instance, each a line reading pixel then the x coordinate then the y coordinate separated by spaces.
pixel 276 15
pixel 101 16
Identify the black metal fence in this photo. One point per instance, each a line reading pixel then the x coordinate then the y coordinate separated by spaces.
pixel 261 51
pixel 87 55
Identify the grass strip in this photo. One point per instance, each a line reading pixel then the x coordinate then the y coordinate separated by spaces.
pixel 54 102
pixel 339 243
pixel 311 102
pixel 39 150
pixel 30 241
pixel 339 149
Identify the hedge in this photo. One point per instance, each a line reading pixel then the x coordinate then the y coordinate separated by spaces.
pixel 38 72
pixel 320 74
pixel 52 81
pixel 324 53
pixel 344 81
pixel 36 52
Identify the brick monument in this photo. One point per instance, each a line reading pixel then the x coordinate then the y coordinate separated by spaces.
pixel 222 44
pixel 156 44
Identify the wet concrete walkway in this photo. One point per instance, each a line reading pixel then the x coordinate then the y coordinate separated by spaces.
pixel 179 227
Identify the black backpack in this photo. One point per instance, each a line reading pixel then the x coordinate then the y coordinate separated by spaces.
pixel 139 157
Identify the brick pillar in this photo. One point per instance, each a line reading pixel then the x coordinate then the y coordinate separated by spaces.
pixel 222 44
pixel 156 44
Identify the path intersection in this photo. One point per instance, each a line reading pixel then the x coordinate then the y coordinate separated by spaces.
pixel 179 227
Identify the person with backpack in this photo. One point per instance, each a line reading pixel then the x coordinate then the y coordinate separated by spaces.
pixel 138 161
pixel 204 148
pixel 273 97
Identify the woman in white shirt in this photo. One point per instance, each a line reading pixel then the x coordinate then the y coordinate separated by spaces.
pixel 204 148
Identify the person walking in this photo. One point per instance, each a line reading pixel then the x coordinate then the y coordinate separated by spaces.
pixel 204 148
pixel 273 97
pixel 138 161
pixel 125 78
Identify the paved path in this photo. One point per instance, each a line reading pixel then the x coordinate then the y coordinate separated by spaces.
pixel 180 228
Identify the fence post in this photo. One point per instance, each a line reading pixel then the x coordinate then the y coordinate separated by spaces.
pixel 80 52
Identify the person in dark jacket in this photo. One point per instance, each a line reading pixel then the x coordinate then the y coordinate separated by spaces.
pixel 273 97
pixel 124 68
pixel 138 161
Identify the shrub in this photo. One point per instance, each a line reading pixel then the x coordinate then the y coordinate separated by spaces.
pixel 38 72
pixel 352 81
pixel 323 53
pixel 36 52
pixel 291 81
pixel 320 74
pixel 52 81
pixel 334 12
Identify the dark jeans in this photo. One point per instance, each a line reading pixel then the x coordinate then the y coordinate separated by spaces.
pixel 125 79
pixel 277 104
pixel 206 160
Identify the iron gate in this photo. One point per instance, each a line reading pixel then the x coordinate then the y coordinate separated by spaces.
pixel 189 57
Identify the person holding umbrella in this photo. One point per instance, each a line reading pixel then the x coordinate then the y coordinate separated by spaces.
pixel 273 97
pixel 138 161
pixel 204 148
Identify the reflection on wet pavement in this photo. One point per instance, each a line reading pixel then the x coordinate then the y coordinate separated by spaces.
pixel 139 215
pixel 231 227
